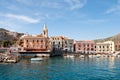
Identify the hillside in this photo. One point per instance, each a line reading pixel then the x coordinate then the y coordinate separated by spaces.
pixel 115 38
pixel 8 36
pixel 3 30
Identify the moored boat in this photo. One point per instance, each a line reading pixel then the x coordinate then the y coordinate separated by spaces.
pixel 36 59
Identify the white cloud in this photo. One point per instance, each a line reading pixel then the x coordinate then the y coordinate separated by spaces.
pixel 22 18
pixel 115 8
pixel 10 25
pixel 76 4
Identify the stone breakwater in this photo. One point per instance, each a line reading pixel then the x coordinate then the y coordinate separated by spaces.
pixel 8 58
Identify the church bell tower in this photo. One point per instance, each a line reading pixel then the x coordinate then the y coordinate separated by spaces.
pixel 45 31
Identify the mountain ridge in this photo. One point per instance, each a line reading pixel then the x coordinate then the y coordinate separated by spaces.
pixel 114 38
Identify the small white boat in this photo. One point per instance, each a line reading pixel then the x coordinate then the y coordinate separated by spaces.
pixel 82 56
pixel 98 55
pixel 36 59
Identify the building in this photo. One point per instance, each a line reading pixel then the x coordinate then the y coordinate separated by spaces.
pixel 84 46
pixel 57 42
pixel 62 43
pixel 117 45
pixel 37 42
pixel 105 47
pixel 68 45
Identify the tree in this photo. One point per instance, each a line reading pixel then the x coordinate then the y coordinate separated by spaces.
pixel 6 43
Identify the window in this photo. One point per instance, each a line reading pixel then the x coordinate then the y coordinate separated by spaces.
pixel 92 49
pixel 95 46
pixel 103 46
pixel 65 42
pixel 41 41
pixel 26 40
pixel 53 43
pixel 88 49
pixel 87 45
pixel 59 43
pixel 33 41
pixel 37 41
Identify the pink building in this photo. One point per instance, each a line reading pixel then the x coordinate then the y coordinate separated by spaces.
pixel 84 46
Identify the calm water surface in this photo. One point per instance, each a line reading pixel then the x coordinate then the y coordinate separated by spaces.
pixel 63 69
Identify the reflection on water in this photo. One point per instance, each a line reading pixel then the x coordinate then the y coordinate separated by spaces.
pixel 63 69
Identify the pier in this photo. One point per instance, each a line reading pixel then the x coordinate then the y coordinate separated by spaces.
pixel 34 53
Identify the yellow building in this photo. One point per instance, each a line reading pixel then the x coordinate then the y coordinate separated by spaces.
pixel 37 42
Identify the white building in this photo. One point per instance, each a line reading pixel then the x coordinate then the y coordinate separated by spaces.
pixel 105 47
pixel 69 45
pixel 57 42
pixel 61 42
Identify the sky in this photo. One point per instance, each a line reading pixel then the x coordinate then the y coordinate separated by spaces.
pixel 76 19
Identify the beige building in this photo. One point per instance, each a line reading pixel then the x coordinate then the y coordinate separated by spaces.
pixel 105 47
pixel 37 42
pixel 61 42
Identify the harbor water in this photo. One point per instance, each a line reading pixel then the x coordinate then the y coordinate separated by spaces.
pixel 62 69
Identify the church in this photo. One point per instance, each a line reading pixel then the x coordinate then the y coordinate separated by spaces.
pixel 38 43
